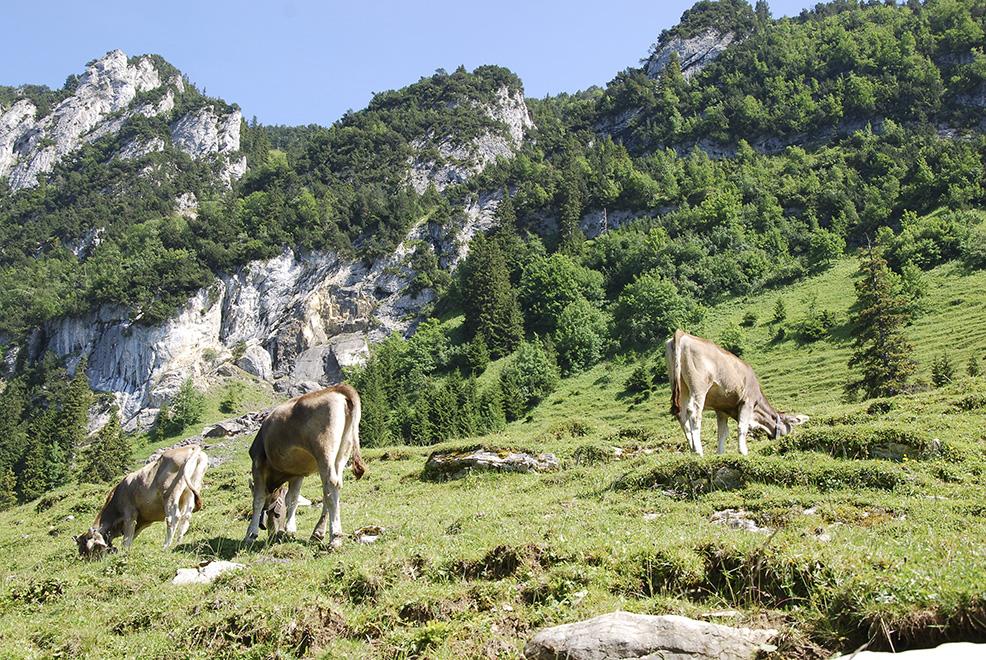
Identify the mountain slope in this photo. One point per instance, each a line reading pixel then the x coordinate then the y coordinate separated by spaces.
pixel 472 567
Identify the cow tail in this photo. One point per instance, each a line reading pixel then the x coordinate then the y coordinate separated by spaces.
pixel 192 465
pixel 355 411
pixel 673 356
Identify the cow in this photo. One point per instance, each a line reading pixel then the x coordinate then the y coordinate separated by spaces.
pixel 707 377
pixel 315 432
pixel 167 489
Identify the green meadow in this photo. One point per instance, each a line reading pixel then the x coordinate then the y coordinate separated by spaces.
pixel 872 515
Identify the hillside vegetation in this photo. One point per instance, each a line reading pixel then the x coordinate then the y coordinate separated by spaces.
pixel 876 507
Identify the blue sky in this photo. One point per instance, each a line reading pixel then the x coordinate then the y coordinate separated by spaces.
pixel 302 61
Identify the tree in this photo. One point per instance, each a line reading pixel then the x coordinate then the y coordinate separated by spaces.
pixel 185 409
pixel 476 355
pixel 881 352
pixel 549 284
pixel 73 418
pixel 942 370
pixel 972 366
pixel 489 302
pixel 109 455
pixel 529 376
pixel 780 312
pixel 649 310
pixel 232 397
pixel 581 336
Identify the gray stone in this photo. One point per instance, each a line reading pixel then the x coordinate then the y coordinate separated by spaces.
pixel 626 635
pixel 453 465
pixel 953 651
pixel 738 519
pixel 694 53
pixel 256 360
pixel 224 429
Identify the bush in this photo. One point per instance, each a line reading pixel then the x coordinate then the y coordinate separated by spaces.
pixel 749 320
pixel 973 251
pixel 824 248
pixel 972 367
pixel 942 370
pixel 529 376
pixel 815 324
pixel 232 397
pixel 185 409
pixel 649 310
pixel 731 338
pixel 780 312
pixel 581 336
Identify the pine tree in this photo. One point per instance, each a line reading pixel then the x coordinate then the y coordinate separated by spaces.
pixel 8 488
pixel 374 427
pixel 882 353
pixel 780 312
pixel 489 301
pixel 489 414
pixel 972 367
pixel 43 465
pixel 109 455
pixel 570 235
pixel 13 431
pixel 942 370
pixel 73 418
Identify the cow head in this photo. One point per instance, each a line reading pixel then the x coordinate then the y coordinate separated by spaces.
pixel 274 515
pixel 93 545
pixel 785 422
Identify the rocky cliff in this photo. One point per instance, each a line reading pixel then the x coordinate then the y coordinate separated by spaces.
pixel 693 53
pixel 113 90
pixel 295 320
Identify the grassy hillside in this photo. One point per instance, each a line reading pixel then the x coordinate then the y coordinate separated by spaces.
pixel 864 548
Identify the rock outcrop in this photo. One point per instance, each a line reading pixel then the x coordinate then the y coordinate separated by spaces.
pixel 299 319
pixel 459 161
pixel 694 53
pixel 443 465
pixel 113 90
pixel 626 635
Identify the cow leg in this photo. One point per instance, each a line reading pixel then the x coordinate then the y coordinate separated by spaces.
pixel 722 427
pixel 330 507
pixel 129 529
pixel 259 501
pixel 745 419
pixel 696 404
pixel 291 503
pixel 185 514
pixel 171 513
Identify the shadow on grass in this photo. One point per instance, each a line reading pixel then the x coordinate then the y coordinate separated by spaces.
pixel 218 547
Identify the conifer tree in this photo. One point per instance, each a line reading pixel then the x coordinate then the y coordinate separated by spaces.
pixel 109 455
pixel 489 301
pixel 882 354
pixel 73 418
pixel 972 366
pixel 43 465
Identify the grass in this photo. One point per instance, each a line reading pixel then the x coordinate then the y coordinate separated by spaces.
pixel 876 512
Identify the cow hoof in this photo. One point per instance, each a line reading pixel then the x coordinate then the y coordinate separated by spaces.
pixel 336 542
pixel 249 539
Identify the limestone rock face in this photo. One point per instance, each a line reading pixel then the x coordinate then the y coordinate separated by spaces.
pixel 694 53
pixel 108 96
pixel 626 635
pixel 108 85
pixel 460 161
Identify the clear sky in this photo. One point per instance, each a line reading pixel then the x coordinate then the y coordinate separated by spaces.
pixel 304 61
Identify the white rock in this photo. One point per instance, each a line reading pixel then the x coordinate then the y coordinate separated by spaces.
pixel 626 635
pixel 738 519
pixel 256 360
pixel 694 54
pixel 203 132
pixel 206 573
pixel 953 651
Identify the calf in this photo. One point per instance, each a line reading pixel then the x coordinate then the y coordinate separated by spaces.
pixel 315 432
pixel 167 489
pixel 706 377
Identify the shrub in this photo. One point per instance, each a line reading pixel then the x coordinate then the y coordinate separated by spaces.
pixel 580 337
pixel 824 248
pixel 749 320
pixel 780 312
pixel 232 397
pixel 529 376
pixel 731 338
pixel 942 370
pixel 815 324
pixel 649 310
pixel 972 367
pixel 185 409
pixel 973 251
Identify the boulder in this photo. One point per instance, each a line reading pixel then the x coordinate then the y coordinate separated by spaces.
pixel 256 361
pixel 626 635
pixel 456 464
pixel 224 429
pixel 205 573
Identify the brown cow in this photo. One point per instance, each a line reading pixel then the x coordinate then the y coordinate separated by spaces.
pixel 167 489
pixel 315 432
pixel 708 377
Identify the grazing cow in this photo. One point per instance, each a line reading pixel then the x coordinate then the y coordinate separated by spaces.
pixel 315 432
pixel 706 377
pixel 167 489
